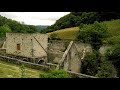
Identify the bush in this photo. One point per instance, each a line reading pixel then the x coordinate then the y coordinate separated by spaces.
pixel 23 71
pixel 55 74
pixel 93 34
pixel 113 40
pixel 113 55
pixel 89 65
pixel 106 70
pixel 54 36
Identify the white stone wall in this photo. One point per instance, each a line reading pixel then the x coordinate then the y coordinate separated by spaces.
pixel 27 44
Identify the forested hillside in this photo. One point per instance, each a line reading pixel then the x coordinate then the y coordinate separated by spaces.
pixel 9 25
pixel 41 27
pixel 75 19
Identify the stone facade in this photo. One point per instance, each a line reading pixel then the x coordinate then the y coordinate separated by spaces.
pixel 28 45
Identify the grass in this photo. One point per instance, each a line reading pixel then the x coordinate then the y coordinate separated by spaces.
pixel 67 33
pixel 71 33
pixel 113 27
pixel 114 31
pixel 8 70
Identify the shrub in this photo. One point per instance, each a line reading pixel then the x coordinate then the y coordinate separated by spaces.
pixel 93 34
pixel 106 70
pixel 23 70
pixel 54 36
pixel 113 55
pixel 55 74
pixel 89 65
pixel 113 40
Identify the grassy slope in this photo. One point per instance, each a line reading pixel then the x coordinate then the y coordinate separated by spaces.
pixel 67 33
pixel 8 70
pixel 70 33
pixel 113 27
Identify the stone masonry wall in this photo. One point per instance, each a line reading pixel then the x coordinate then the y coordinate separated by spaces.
pixel 29 47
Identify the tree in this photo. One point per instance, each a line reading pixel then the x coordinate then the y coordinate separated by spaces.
pixel 89 66
pixel 4 29
pixel 93 34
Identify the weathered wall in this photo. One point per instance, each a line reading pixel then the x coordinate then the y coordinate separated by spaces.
pixel 54 56
pixel 55 45
pixel 62 46
pixel 29 47
pixel 56 50
pixel 1 42
pixel 72 61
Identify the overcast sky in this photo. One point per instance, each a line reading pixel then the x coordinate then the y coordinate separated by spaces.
pixel 35 18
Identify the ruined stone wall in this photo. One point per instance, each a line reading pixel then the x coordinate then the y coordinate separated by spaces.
pixel 72 61
pixel 56 50
pixel 29 47
pixel 62 46
pixel 2 40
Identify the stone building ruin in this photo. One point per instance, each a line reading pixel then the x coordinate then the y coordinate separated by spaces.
pixel 34 47
pixel 27 45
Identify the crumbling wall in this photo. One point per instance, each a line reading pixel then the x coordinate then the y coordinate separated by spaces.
pixel 57 48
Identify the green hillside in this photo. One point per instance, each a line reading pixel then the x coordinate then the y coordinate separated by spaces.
pixel 71 33
pixel 8 70
pixel 40 27
pixel 68 33
pixel 75 19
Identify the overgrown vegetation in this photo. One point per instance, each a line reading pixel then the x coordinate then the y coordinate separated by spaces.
pixel 113 55
pixel 106 70
pixel 55 74
pixel 93 34
pixel 89 65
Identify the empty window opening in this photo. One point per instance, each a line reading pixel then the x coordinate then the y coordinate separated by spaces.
pixel 18 46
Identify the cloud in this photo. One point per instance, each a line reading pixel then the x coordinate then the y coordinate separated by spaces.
pixel 35 18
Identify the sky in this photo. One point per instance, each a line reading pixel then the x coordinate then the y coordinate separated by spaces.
pixel 34 18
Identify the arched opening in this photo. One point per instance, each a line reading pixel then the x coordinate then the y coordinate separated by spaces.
pixel 25 60
pixel 41 62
